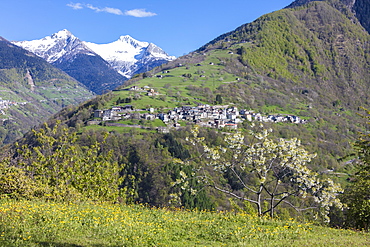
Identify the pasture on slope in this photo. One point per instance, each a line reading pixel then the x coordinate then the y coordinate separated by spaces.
pixel 40 223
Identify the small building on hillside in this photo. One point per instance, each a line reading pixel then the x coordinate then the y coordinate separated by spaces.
pixel 98 113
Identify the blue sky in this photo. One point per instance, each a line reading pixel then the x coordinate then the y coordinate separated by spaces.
pixel 178 27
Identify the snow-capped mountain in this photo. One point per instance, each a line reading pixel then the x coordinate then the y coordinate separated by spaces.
pixel 67 52
pixel 85 61
pixel 60 45
pixel 129 56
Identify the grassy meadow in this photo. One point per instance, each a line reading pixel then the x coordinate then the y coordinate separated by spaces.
pixel 37 223
pixel 176 88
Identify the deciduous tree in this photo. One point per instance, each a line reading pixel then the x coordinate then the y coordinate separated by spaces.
pixel 264 171
pixel 67 170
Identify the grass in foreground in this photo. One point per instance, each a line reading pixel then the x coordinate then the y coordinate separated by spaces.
pixel 34 223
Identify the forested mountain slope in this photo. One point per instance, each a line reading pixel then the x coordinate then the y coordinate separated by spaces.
pixel 360 8
pixel 312 60
pixel 31 90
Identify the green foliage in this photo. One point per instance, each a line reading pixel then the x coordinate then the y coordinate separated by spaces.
pixel 67 171
pixel 358 201
pixel 357 194
pixel 185 190
pixel 175 148
pixel 14 182
pixel 218 100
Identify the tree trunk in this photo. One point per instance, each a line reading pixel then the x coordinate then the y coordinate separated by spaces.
pixel 272 207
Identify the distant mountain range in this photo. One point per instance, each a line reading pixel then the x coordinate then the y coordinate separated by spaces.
pixel 100 67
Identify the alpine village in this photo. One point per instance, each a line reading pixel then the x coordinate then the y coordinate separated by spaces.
pixel 258 138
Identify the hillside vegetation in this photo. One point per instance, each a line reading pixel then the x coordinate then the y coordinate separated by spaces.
pixel 311 61
pixel 357 10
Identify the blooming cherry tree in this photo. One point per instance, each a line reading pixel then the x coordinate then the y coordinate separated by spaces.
pixel 267 170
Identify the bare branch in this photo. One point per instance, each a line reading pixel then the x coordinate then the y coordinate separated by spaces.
pixel 233 194
pixel 241 181
pixel 294 207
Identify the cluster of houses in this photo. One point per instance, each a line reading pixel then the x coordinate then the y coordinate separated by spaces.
pixel 5 104
pixel 204 115
pixel 149 91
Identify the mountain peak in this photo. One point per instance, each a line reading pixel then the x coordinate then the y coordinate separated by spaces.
pixel 63 34
pixel 129 56
pixel 125 38
pixel 55 46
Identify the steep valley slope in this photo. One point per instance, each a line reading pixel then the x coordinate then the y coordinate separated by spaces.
pixel 31 90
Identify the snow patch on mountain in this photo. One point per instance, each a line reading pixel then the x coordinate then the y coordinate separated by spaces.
pixel 124 49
